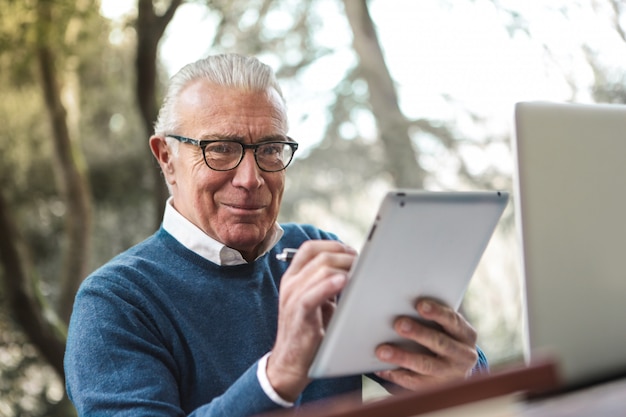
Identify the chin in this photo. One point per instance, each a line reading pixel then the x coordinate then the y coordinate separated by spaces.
pixel 245 237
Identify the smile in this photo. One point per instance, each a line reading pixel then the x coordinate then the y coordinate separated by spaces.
pixel 244 207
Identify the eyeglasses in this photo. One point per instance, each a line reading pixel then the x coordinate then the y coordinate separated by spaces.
pixel 227 154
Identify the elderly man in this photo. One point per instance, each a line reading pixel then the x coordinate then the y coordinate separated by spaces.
pixel 201 318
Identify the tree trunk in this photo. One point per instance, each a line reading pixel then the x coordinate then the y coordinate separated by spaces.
pixel 70 172
pixel 150 28
pixel 401 156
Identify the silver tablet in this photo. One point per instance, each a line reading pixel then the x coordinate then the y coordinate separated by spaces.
pixel 421 244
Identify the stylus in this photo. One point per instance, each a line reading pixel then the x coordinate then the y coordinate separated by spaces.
pixel 287 254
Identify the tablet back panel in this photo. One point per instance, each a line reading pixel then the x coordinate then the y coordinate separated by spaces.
pixel 571 208
pixel 422 244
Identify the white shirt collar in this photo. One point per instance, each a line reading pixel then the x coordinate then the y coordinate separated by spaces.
pixel 194 239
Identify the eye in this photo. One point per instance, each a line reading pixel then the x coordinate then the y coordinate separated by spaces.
pixel 224 148
pixel 270 149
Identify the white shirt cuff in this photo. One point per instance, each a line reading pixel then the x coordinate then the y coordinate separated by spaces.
pixel 261 373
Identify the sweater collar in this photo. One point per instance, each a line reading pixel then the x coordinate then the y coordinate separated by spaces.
pixel 194 239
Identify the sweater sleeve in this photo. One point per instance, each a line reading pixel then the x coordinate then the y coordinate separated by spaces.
pixel 244 398
pixel 482 364
pixel 117 363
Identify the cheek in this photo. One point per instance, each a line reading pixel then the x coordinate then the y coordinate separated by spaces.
pixel 197 174
pixel 277 187
pixel 197 186
pixel 204 185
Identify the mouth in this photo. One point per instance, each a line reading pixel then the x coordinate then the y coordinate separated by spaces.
pixel 245 208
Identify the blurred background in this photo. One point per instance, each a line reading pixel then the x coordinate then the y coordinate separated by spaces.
pixel 382 94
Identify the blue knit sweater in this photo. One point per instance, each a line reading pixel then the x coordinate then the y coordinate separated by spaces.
pixel 161 331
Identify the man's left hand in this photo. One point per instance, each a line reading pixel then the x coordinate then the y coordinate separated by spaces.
pixel 453 348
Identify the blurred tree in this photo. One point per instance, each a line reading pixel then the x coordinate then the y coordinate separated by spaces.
pixel 400 156
pixel 70 168
pixel 71 179
pixel 150 26
pixel 609 83
pixel 392 155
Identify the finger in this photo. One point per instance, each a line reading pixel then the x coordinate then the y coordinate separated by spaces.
pixel 328 261
pixel 310 278
pixel 316 250
pixel 316 292
pixel 405 379
pixel 452 322
pixel 301 318
pixel 418 363
pixel 438 342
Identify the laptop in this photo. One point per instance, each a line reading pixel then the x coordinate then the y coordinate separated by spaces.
pixel 570 202
pixel 421 244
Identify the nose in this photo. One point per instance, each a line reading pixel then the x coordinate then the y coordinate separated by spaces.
pixel 248 174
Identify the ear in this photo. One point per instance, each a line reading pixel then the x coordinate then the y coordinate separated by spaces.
pixel 164 156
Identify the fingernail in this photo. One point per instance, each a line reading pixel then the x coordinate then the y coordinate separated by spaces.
pixel 350 249
pixel 384 353
pixel 426 307
pixel 338 279
pixel 405 326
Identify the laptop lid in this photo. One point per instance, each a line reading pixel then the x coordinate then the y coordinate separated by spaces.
pixel 571 211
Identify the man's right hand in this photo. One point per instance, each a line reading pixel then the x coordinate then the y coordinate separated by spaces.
pixel 308 291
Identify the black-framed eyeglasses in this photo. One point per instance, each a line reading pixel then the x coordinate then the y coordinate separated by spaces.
pixel 227 154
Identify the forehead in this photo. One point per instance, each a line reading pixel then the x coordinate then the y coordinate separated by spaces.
pixel 207 109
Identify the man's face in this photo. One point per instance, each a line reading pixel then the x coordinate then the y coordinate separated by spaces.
pixel 236 207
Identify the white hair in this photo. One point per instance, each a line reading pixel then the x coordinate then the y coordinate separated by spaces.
pixel 226 70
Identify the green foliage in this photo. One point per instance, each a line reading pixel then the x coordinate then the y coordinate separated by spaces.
pixel 16 23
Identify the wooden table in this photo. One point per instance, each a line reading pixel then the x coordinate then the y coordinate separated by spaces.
pixel 508 384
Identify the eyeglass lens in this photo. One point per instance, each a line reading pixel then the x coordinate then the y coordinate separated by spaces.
pixel 271 156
